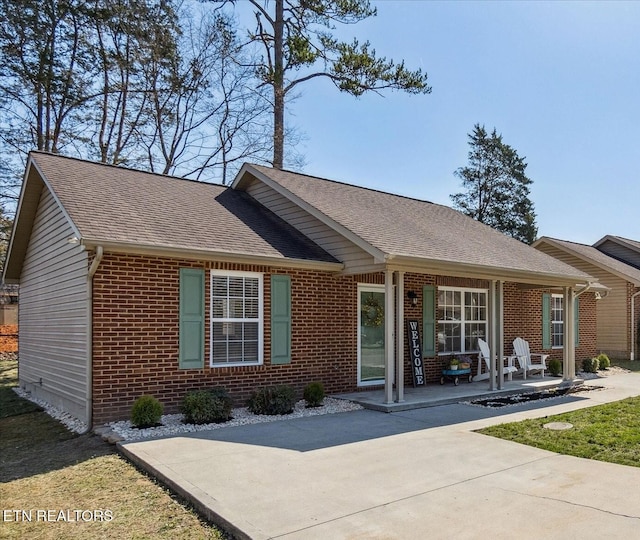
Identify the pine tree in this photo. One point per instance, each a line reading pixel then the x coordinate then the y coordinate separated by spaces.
pixel 297 44
pixel 497 187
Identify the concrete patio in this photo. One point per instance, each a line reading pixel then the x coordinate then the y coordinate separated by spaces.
pixel 433 395
pixel 412 474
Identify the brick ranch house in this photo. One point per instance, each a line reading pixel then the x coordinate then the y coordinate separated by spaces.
pixel 135 283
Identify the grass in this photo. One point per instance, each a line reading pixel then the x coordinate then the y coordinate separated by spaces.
pixel 627 364
pixel 43 466
pixel 609 432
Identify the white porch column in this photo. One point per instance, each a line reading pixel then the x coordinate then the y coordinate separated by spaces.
pixel 399 397
pixel 389 349
pixel 492 335
pixel 569 336
pixel 499 343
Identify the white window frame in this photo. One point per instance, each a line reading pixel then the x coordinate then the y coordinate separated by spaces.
pixel 555 298
pixel 259 319
pixel 463 322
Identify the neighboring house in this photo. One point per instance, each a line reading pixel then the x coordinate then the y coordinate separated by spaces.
pixel 134 283
pixel 615 262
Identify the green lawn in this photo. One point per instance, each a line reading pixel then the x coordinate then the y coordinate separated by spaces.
pixel 608 432
pixel 43 466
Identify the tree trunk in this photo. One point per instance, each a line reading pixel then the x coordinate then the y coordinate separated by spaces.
pixel 278 87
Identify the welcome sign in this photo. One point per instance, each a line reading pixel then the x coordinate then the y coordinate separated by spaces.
pixel 415 352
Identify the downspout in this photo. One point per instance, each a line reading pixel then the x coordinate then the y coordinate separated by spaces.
pixel 633 326
pixel 99 253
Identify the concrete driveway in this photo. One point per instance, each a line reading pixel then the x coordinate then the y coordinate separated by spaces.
pixel 413 474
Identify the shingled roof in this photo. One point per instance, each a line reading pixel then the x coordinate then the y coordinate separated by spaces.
pixel 114 206
pixel 404 227
pixel 596 257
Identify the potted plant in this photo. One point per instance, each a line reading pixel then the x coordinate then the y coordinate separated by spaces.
pixel 453 364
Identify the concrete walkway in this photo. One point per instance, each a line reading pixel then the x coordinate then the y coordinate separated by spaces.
pixel 403 475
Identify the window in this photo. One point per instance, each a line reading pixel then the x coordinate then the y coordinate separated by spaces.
pixel 236 318
pixel 462 319
pixel 557 321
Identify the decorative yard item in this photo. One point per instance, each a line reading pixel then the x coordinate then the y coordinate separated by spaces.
pixel 415 352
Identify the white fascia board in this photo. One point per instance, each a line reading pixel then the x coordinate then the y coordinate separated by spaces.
pixel 377 254
pixel 132 248
pixel 488 272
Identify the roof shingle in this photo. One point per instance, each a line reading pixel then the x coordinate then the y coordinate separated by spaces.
pixel 403 226
pixel 113 204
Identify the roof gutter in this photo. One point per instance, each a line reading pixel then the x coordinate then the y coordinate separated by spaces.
pixel 134 248
pixel 97 259
pixel 633 325
pixel 489 272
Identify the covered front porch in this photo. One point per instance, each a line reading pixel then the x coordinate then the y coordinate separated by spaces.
pixel 432 395
pixel 399 298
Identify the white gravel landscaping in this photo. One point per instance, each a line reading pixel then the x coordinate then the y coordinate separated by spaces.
pixel 71 422
pixel 172 423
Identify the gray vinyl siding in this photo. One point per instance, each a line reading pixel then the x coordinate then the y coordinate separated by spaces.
pixel 612 326
pixel 53 318
pixel 620 252
pixel 332 242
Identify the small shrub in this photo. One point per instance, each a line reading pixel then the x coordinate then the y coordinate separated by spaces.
pixel 314 394
pixel 603 361
pixel 555 367
pixel 272 400
pixel 206 406
pixel 590 365
pixel 146 412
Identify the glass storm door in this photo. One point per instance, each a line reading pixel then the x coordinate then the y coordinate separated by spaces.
pixel 371 335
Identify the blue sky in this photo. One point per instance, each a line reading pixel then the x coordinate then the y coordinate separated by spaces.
pixel 559 80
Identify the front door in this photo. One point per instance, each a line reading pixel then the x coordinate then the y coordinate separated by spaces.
pixel 371 335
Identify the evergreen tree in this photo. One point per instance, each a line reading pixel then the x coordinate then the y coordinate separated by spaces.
pixel 297 45
pixel 496 187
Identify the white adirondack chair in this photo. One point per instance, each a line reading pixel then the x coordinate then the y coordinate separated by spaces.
pixel 525 357
pixel 485 359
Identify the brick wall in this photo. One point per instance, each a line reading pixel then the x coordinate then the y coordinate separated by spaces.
pixel 135 332
pixel 135 335
pixel 522 318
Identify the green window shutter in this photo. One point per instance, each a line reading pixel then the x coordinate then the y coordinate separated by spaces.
pixel 191 354
pixel 546 321
pixel 577 321
pixel 428 320
pixel 280 319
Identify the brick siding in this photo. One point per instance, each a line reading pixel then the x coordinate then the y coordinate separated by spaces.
pixel 135 332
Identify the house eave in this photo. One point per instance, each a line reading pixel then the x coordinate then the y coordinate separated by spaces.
pixel 377 254
pixel 568 250
pixel 457 269
pixel 190 253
